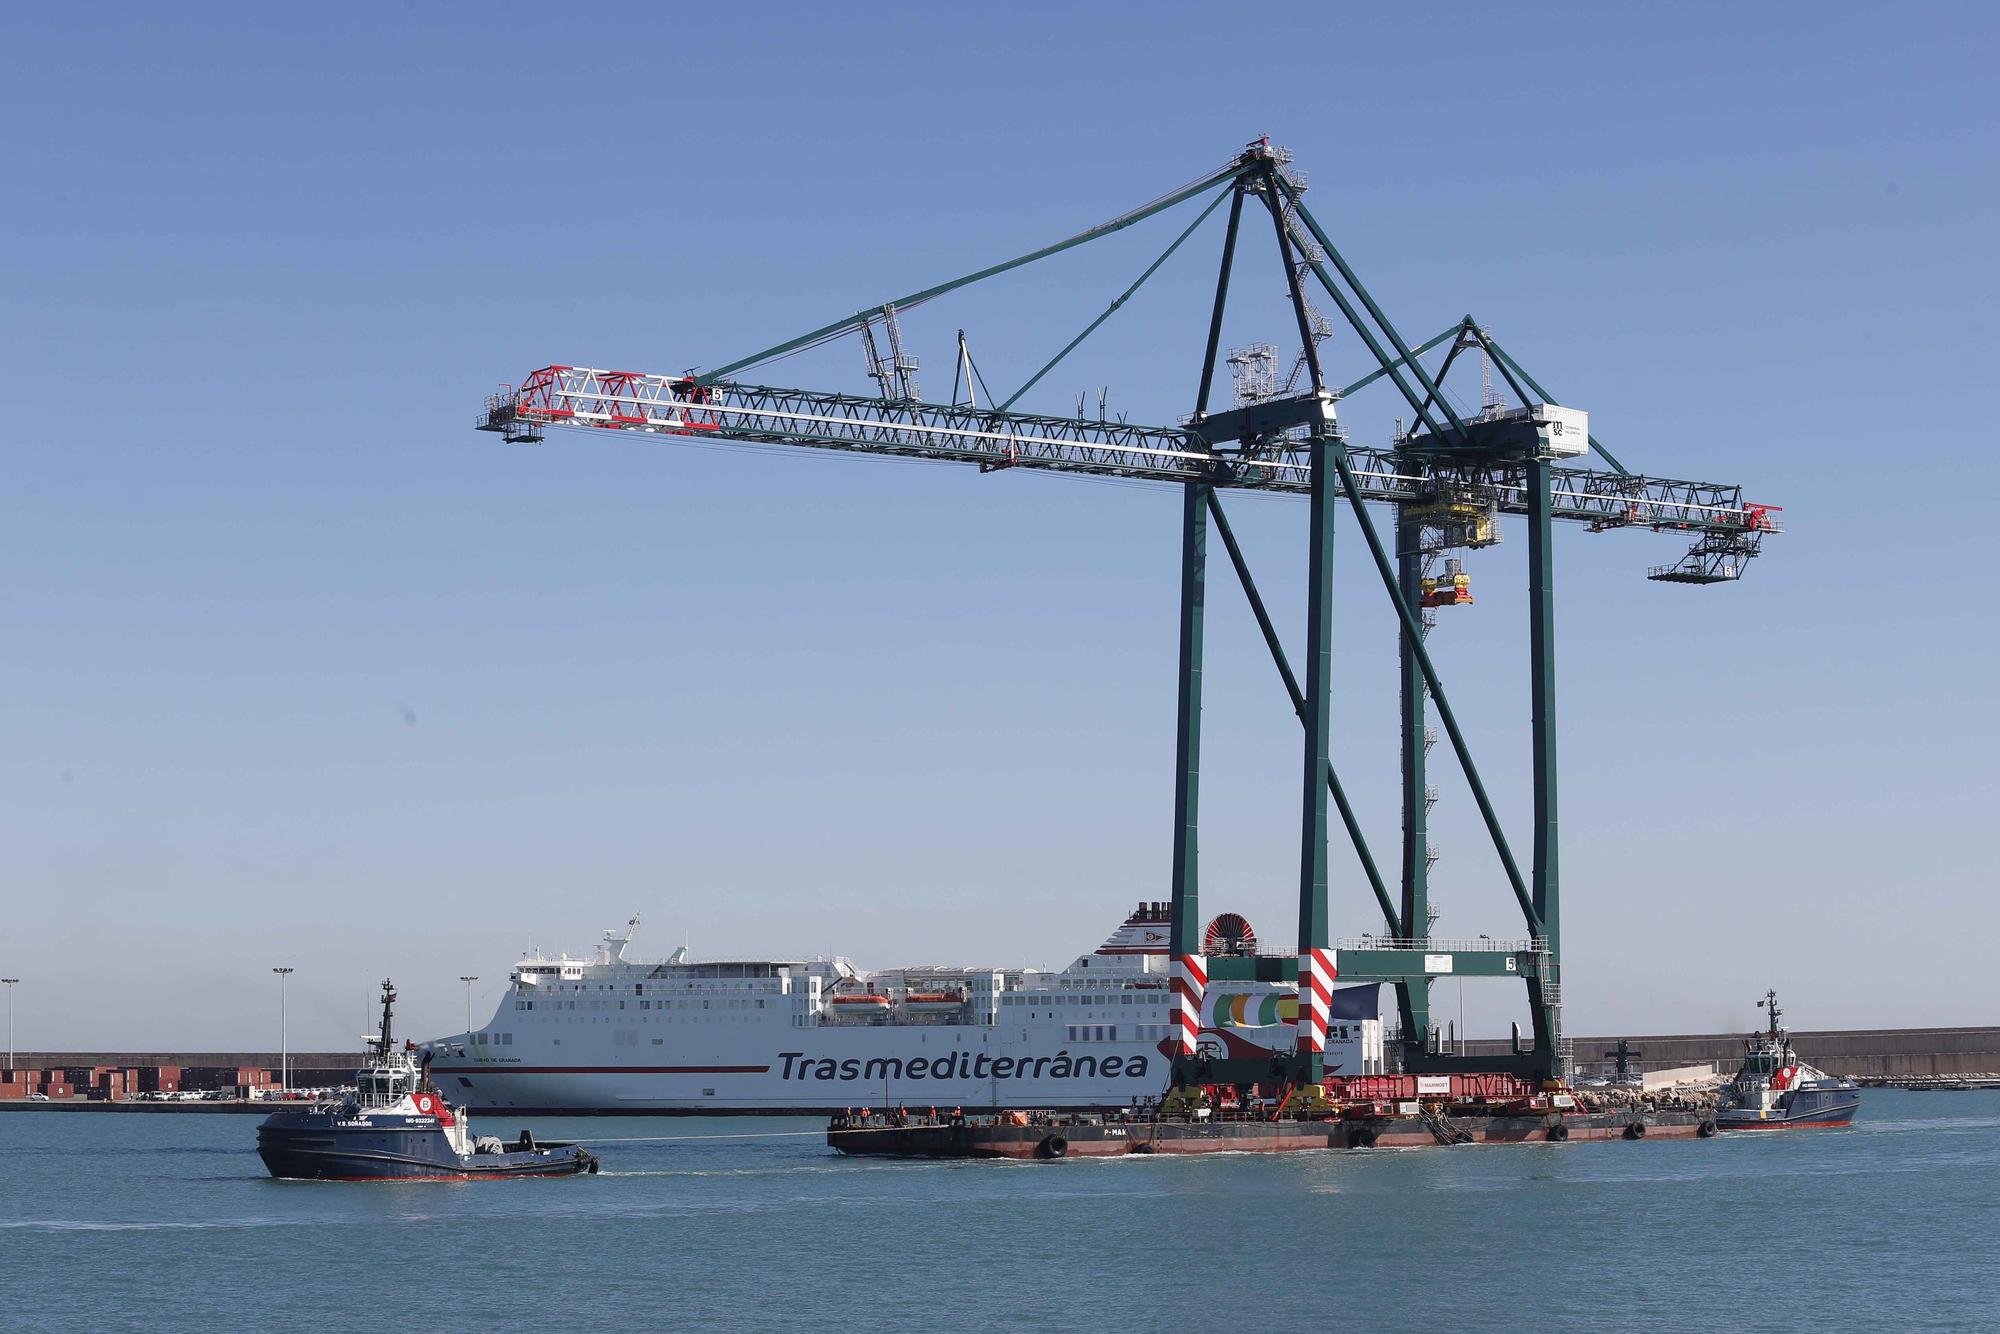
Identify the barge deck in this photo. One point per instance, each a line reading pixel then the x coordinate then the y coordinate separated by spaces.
pixel 1048 1138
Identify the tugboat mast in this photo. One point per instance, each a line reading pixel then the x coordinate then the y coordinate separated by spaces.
pixel 381 1044
pixel 1778 1041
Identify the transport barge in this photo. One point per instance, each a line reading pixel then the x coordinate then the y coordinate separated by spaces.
pixel 1359 1112
pixel 1053 1137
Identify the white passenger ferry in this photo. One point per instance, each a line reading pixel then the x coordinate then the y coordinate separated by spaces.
pixel 612 1034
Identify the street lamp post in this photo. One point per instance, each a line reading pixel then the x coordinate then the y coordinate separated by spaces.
pixel 10 981
pixel 468 1005
pixel 284 1036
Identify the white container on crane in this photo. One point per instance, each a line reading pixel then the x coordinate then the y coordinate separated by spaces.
pixel 1562 433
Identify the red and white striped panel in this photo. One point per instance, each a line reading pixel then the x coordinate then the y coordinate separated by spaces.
pixel 1316 975
pixel 1190 979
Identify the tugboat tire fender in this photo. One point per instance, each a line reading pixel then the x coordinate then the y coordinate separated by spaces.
pixel 1053 1146
pixel 1706 1130
pixel 1558 1132
pixel 1637 1130
pixel 1365 1138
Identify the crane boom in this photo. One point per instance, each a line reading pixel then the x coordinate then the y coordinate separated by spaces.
pixel 1251 449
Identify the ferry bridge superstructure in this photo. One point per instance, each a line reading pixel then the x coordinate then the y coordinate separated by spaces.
pixel 1447 480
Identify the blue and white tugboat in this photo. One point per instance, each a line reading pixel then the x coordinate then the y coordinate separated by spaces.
pixel 1776 1091
pixel 396 1126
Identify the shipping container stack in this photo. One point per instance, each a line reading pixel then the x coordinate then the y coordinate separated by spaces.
pixel 252 1080
pixel 18 1084
pixel 159 1079
pixel 206 1078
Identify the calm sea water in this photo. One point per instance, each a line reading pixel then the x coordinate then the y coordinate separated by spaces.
pixel 169 1222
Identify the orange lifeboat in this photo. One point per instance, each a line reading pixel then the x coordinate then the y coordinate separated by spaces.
pixel 933 1002
pixel 859 1003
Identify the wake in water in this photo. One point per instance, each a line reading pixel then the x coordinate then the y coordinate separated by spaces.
pixel 167 1225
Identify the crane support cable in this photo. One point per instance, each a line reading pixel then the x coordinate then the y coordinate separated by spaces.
pixel 1230 172
pixel 1120 300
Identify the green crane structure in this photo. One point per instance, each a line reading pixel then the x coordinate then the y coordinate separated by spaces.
pixel 1448 480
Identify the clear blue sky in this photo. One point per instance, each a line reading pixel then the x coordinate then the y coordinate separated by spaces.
pixel 301 669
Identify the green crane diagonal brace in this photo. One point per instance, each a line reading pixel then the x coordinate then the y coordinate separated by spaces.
pixel 1120 300
pixel 1230 173
pixel 1416 351
pixel 1347 816
pixel 1444 368
pixel 1354 281
pixel 1508 363
pixel 1414 637
pixel 1386 364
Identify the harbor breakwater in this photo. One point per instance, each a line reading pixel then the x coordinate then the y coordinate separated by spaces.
pixel 1861 1053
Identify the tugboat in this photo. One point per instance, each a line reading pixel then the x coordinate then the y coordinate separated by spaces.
pixel 1776 1091
pixel 397 1126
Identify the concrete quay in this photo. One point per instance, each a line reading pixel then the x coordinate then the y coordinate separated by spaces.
pixel 1888 1055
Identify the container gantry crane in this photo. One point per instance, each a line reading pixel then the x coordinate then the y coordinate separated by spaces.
pixel 1446 479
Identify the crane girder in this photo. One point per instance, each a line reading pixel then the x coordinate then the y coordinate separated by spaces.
pixel 1267 453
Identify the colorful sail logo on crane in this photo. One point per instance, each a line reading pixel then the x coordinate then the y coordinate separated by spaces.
pixel 1252 1009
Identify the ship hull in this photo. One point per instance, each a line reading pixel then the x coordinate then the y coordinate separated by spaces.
pixel 1832 1120
pixel 833 1069
pixel 840 1075
pixel 1811 1109
pixel 820 1071
pixel 307 1146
